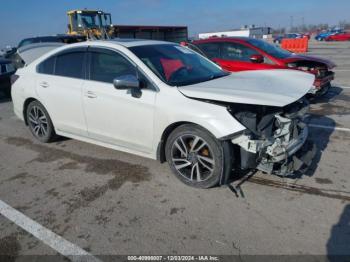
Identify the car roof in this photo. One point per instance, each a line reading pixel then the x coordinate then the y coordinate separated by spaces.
pixel 121 42
pixel 130 42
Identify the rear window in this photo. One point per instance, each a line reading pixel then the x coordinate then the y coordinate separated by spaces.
pixel 27 42
pixel 49 39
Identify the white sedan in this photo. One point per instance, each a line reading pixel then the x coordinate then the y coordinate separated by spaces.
pixel 163 101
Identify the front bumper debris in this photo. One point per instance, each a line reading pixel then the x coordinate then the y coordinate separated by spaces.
pixel 273 157
pixel 296 164
pixel 277 154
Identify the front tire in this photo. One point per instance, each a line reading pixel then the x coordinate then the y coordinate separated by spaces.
pixel 39 122
pixel 324 90
pixel 195 156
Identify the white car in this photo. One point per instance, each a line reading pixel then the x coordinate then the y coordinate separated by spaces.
pixel 163 101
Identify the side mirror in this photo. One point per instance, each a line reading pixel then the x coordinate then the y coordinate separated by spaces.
pixel 126 82
pixel 257 59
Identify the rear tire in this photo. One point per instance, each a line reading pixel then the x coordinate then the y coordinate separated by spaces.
pixel 196 157
pixel 39 122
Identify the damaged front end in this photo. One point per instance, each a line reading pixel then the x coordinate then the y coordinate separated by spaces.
pixel 272 138
pixel 322 72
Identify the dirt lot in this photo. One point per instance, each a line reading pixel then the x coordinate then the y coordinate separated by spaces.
pixel 108 202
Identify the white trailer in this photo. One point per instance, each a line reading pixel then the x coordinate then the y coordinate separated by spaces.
pixel 254 32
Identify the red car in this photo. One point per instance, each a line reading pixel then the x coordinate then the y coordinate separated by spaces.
pixel 239 54
pixel 339 37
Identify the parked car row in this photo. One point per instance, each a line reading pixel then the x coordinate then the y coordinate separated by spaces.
pixel 164 101
pixel 278 39
pixel 343 36
pixel 242 54
pixel 6 71
pixel 330 35
pixel 324 34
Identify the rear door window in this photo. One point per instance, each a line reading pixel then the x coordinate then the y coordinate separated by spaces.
pixel 70 64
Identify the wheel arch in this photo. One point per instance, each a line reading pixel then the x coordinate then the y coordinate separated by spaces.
pixel 227 149
pixel 25 106
pixel 167 131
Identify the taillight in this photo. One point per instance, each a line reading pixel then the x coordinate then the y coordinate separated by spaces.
pixel 14 78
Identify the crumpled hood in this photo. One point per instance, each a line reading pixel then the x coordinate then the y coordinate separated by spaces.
pixel 257 87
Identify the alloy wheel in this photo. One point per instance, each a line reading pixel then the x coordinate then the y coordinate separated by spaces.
pixel 38 121
pixel 192 158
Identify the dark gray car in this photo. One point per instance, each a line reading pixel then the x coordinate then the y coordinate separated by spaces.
pixel 6 70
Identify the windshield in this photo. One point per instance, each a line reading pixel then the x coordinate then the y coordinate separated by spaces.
pixel 106 19
pixel 176 65
pixel 272 50
pixel 89 20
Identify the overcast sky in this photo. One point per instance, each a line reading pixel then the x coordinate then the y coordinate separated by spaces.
pixel 26 18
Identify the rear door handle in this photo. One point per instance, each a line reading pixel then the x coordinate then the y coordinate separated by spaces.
pixel 90 94
pixel 44 84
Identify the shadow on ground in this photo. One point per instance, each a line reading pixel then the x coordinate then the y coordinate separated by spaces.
pixel 329 96
pixel 338 245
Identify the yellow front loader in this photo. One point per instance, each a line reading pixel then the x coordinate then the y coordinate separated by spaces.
pixel 98 25
pixel 90 23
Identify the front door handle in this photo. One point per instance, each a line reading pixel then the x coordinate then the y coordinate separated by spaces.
pixel 44 84
pixel 90 94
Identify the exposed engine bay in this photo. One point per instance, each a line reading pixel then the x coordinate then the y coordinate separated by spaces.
pixel 272 137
